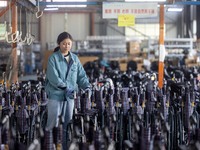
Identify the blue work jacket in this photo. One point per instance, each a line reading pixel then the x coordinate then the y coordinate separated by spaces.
pixel 60 75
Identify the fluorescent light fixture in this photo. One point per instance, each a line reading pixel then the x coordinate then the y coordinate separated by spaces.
pixel 66 1
pixel 3 3
pixel 63 6
pixel 175 9
pixel 159 6
pixel 145 0
pixel 51 9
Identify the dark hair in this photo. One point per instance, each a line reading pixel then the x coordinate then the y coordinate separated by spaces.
pixel 62 36
pixel 56 49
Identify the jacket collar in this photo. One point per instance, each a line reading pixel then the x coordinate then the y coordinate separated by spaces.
pixel 61 57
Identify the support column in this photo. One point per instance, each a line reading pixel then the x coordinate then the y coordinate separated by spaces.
pixel 198 26
pixel 161 49
pixel 92 23
pixel 13 76
pixel 103 27
pixel 187 21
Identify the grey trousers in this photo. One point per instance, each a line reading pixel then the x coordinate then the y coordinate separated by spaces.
pixel 54 111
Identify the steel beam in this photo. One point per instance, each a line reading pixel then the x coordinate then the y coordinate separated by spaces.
pixel 187 3
pixel 27 4
pixel 7 8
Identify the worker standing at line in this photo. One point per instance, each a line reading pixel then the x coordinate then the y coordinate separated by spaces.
pixel 65 75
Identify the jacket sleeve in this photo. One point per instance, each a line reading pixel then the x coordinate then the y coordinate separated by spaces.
pixel 52 74
pixel 82 79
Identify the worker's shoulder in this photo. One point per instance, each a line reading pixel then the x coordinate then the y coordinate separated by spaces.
pixel 73 55
pixel 75 58
pixel 54 55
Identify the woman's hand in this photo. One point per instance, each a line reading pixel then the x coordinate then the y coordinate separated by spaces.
pixel 70 93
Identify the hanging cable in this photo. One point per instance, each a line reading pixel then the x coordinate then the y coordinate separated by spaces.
pixel 38 13
pixel 20 27
pixel 8 33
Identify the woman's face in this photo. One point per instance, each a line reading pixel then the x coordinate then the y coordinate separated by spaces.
pixel 65 45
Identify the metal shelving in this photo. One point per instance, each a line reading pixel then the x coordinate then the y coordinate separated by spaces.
pixel 111 46
pixel 175 47
pixel 186 43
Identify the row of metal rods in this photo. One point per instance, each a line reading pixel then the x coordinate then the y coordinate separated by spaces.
pixel 117 116
pixel 22 113
pixel 138 117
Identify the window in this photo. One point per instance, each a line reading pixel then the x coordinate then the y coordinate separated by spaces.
pixel 3 3
pixel 142 31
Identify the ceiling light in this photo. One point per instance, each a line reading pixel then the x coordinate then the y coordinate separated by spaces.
pixel 145 0
pixel 66 6
pixel 175 9
pixel 50 9
pixel 62 3
pixel 67 0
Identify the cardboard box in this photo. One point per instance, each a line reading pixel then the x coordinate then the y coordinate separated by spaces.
pixel 85 59
pixel 123 66
pixel 193 65
pixel 190 61
pixel 133 47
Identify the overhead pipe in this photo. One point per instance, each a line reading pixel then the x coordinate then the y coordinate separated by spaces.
pixel 187 3
pixel 43 3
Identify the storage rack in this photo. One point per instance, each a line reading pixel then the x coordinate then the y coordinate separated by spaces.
pixel 175 47
pixel 111 46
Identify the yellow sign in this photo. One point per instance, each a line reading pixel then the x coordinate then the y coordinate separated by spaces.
pixel 126 20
